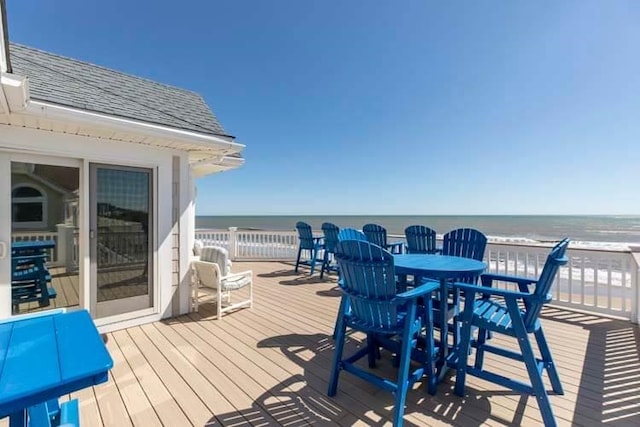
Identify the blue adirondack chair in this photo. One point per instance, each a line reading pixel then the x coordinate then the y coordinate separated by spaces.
pixel 466 243
pixel 420 240
pixel 377 234
pixel 368 282
pixel 516 314
pixel 351 234
pixel 346 234
pixel 311 245
pixel 330 232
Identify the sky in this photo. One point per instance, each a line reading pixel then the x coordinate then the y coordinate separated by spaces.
pixel 376 107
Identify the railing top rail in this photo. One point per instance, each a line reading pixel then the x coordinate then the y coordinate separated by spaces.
pixel 244 231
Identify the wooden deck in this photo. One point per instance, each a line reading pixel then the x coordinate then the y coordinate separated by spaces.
pixel 117 283
pixel 269 366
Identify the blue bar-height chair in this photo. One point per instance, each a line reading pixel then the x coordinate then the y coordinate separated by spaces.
pixel 377 234
pixel 307 243
pixel 346 234
pixel 351 234
pixel 330 232
pixel 516 314
pixel 368 282
pixel 466 243
pixel 420 240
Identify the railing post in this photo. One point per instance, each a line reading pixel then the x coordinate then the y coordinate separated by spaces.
pixel 233 243
pixel 635 283
pixel 63 254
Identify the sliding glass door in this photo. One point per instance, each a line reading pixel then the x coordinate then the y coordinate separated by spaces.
pixel 122 239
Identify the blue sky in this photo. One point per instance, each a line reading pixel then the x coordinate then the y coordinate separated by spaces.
pixel 387 107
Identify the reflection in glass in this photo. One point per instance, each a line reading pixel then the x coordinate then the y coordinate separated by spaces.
pixel 123 243
pixel 44 230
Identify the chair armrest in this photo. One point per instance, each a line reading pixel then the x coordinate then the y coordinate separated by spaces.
pixel 488 278
pixel 238 275
pixel 416 292
pixel 505 293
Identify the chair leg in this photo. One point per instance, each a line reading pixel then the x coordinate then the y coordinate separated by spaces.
pixel 340 318
pixel 455 326
pixel 337 355
pixel 430 363
pixel 402 385
pixel 251 292
pixel 550 365
pixel 374 350
pixel 314 255
pixel 298 258
pixel 325 264
pixel 532 366
pixel 482 338
pixel 462 351
pixel 219 304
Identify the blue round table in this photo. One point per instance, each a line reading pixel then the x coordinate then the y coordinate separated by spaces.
pixel 437 266
pixel 443 268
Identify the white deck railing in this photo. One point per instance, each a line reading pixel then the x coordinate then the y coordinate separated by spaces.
pixel 252 245
pixel 601 281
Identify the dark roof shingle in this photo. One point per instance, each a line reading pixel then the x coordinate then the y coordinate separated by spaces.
pixel 77 84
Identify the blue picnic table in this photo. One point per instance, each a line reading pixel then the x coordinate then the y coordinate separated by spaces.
pixel 46 356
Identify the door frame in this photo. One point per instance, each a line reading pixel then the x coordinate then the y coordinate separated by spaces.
pixel 153 288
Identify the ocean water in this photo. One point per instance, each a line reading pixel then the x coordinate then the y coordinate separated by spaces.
pixel 614 231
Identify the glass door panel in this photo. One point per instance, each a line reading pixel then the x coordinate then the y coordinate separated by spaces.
pixel 44 234
pixel 121 239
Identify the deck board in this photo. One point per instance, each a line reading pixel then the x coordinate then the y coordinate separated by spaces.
pixel 269 365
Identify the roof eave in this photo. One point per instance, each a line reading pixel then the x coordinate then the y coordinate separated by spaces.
pixel 214 164
pixel 57 112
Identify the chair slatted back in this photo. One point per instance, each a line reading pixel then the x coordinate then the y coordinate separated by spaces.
pixel 467 243
pixel 351 234
pixel 555 259
pixel 376 234
pixel 464 242
pixel 420 239
pixel 218 255
pixel 330 232
pixel 208 274
pixel 305 235
pixel 368 280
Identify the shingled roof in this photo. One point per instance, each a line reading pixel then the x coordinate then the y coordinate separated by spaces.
pixel 85 86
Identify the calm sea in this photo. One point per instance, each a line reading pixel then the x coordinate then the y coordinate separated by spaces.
pixel 615 229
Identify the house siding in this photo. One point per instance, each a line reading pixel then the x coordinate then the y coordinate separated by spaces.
pixel 30 142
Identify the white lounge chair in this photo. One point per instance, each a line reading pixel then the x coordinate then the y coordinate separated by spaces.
pixel 212 275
